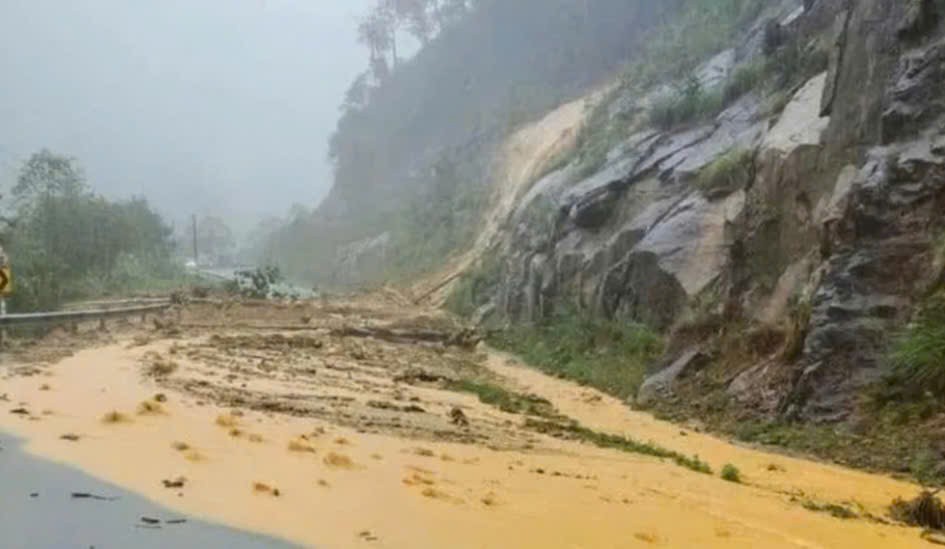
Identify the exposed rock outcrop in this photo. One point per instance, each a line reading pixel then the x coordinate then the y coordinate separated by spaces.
pixel 838 219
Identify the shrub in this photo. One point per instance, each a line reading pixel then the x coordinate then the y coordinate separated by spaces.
pixel 918 354
pixel 600 134
pixel 745 79
pixel 701 29
pixel 926 510
pixel 690 102
pixel 607 354
pixel 731 473
pixel 476 286
pixel 728 173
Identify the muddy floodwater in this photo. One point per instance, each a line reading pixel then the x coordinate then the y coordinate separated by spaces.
pixel 372 423
pixel 51 506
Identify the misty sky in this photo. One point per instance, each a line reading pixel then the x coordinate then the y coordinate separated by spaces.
pixel 206 106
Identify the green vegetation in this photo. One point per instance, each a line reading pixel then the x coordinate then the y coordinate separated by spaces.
pixel 744 79
pixel 700 29
pixel 443 219
pixel 687 103
pixel 503 399
pixel 258 283
pixel 544 419
pixel 925 510
pixel 731 473
pixel 609 355
pixel 67 243
pixel 918 355
pixel 475 287
pixel 833 509
pixel 883 443
pixel 575 431
pixel 600 134
pixel 728 173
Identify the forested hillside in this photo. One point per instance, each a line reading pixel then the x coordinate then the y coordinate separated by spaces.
pixel 64 242
pixel 413 146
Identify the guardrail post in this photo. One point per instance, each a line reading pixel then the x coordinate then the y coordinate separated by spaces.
pixel 3 330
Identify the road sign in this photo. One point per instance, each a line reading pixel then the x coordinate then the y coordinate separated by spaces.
pixel 6 281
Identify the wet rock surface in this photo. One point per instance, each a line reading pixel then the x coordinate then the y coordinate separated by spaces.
pixel 837 220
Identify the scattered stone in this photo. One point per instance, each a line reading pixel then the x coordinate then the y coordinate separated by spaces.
pixel 161 367
pixel 924 510
pixel 20 411
pixel 178 482
pixel 458 417
pixel 115 417
pixel 149 520
pixel 160 397
pixel 339 461
pixel 87 495
pixel 227 421
pixel 71 437
pixel 151 408
pixel 263 488
pixel 301 445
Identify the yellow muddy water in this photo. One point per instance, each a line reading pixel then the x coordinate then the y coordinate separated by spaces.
pixel 317 481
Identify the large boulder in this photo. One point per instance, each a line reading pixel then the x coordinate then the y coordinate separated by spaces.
pixel 660 385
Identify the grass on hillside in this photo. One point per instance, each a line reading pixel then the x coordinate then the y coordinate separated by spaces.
pixel 609 355
pixel 504 399
pixel 476 286
pixel 576 431
pixel 918 354
pixel 727 174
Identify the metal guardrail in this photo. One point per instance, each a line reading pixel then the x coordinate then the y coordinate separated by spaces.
pixel 96 305
pixel 78 316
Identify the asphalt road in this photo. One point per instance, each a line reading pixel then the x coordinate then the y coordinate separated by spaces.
pixel 38 511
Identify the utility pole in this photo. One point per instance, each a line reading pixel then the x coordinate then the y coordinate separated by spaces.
pixel 196 256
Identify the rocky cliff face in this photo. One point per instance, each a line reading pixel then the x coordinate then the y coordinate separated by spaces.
pixel 822 232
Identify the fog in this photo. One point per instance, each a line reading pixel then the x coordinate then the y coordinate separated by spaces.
pixel 203 106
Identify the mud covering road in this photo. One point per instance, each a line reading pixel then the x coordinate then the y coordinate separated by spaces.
pixel 371 422
pixel 49 506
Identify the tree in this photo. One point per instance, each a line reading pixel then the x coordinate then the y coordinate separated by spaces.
pixel 66 242
pixel 415 14
pixel 215 239
pixel 46 174
pixel 375 32
pixel 358 94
